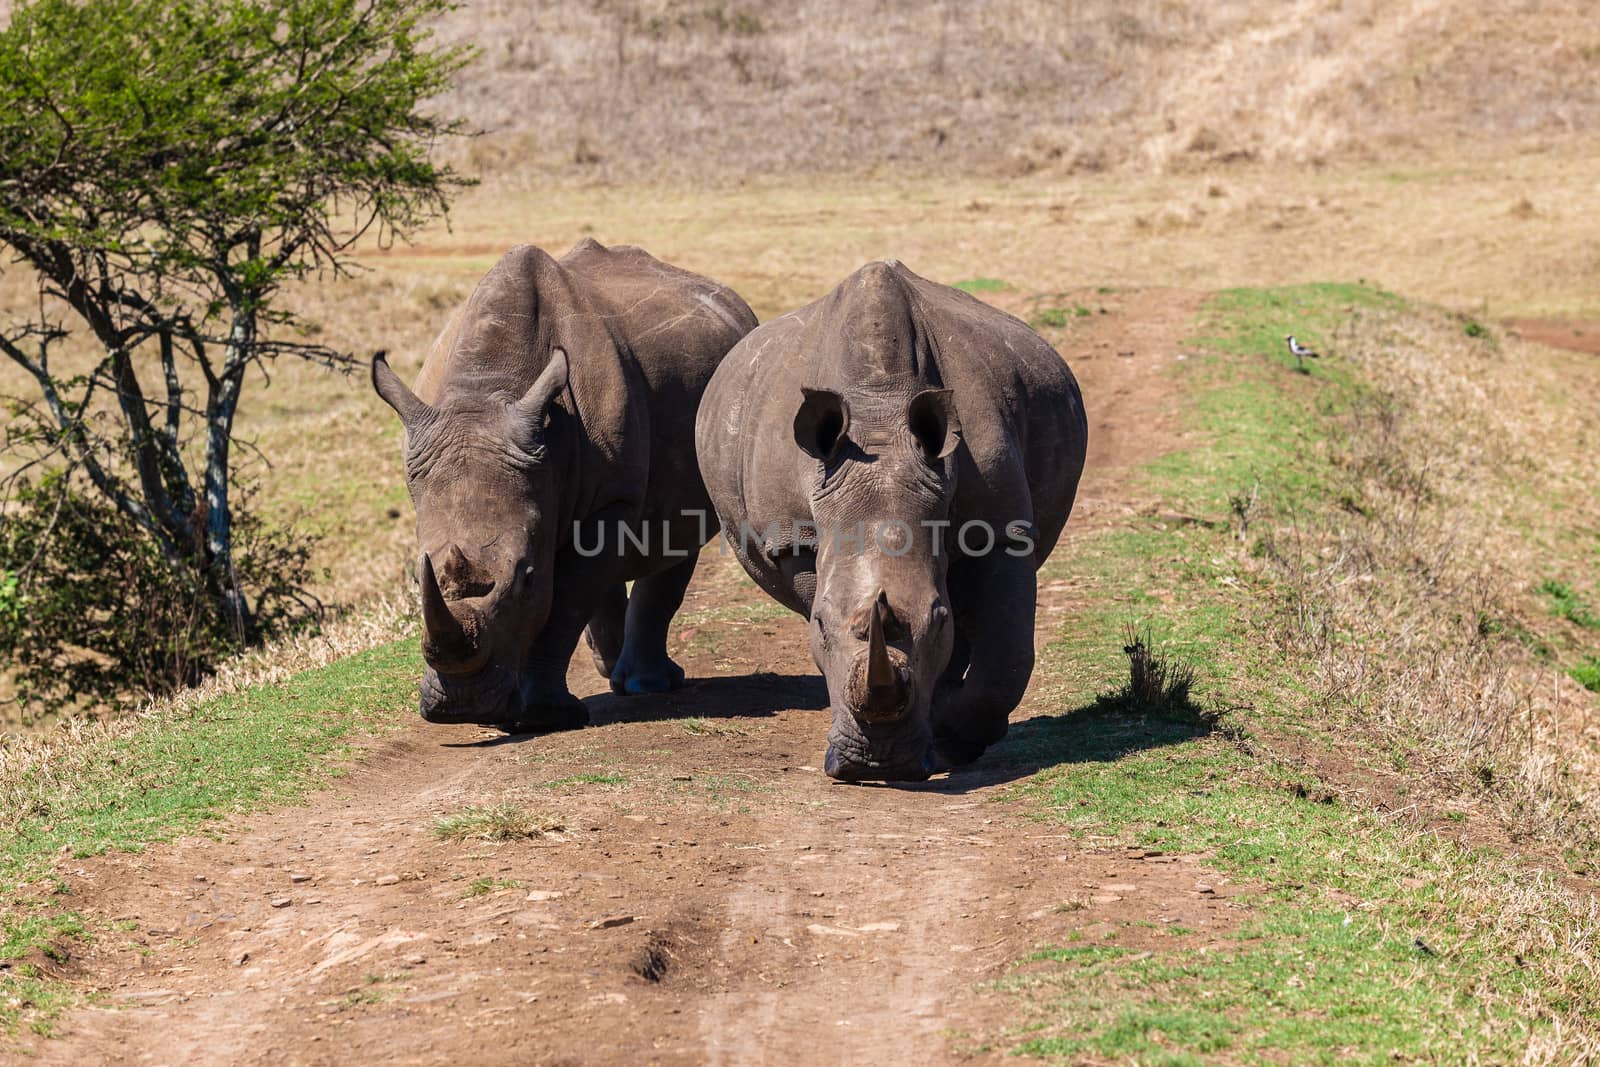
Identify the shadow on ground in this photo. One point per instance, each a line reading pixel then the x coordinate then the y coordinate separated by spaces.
pixel 741 697
pixel 1101 731
pixel 1088 734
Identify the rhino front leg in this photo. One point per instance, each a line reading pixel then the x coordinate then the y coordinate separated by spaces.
pixel 644 666
pixel 994 599
pixel 581 584
pixel 605 631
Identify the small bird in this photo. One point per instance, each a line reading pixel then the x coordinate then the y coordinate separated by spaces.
pixel 1301 352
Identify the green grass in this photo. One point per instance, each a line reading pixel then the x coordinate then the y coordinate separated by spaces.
pixel 1588 674
pixel 1325 967
pixel 240 752
pixel 608 778
pixel 180 772
pixel 1569 604
pixel 982 285
pixel 1057 318
pixel 1337 909
pixel 480 887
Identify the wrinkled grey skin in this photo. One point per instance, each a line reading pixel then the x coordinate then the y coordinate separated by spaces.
pixel 562 392
pixel 895 398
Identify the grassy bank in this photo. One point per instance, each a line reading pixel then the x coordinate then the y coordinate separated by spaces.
pixel 1395 798
pixel 178 770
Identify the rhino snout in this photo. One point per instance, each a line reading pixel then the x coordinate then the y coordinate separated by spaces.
pixel 452 639
pixel 879 689
pixel 879 686
pixel 853 756
pixel 488 697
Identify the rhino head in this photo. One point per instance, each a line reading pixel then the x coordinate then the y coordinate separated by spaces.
pixel 881 632
pixel 481 473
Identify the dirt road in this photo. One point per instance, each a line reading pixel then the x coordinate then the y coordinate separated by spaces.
pixel 713 898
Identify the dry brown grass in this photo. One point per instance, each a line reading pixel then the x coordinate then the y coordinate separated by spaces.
pixel 1467 478
pixel 702 88
pixel 498 823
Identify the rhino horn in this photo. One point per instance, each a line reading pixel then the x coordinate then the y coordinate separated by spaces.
pixel 878 689
pixel 444 637
pixel 880 672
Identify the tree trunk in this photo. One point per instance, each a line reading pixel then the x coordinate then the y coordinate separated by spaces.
pixel 221 404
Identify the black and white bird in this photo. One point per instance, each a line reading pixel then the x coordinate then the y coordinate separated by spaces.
pixel 1300 351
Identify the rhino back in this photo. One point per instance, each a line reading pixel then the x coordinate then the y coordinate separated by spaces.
pixel 1023 426
pixel 676 326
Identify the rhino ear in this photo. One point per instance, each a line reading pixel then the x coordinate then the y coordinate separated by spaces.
pixel 934 422
pixel 535 403
pixel 388 385
pixel 821 423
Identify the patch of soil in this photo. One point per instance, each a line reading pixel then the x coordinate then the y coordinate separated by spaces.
pixel 1578 335
pixel 712 898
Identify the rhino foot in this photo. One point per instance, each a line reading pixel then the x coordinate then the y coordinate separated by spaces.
pixel 958 751
pixel 639 681
pixel 548 718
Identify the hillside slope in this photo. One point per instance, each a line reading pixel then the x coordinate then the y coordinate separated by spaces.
pixel 691 88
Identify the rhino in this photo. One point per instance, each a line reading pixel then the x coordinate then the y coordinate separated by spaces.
pixel 549 450
pixel 894 462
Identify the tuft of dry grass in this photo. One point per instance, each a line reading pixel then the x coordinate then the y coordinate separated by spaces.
pixel 700 727
pixel 498 822
pixel 1155 683
pixel 1158 687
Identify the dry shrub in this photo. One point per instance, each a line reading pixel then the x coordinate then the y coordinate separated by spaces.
pixel 1410 592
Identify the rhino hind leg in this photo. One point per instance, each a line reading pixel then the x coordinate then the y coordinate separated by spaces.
pixel 644 666
pixel 994 602
pixel 605 631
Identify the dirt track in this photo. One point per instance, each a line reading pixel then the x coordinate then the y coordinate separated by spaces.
pixel 721 902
